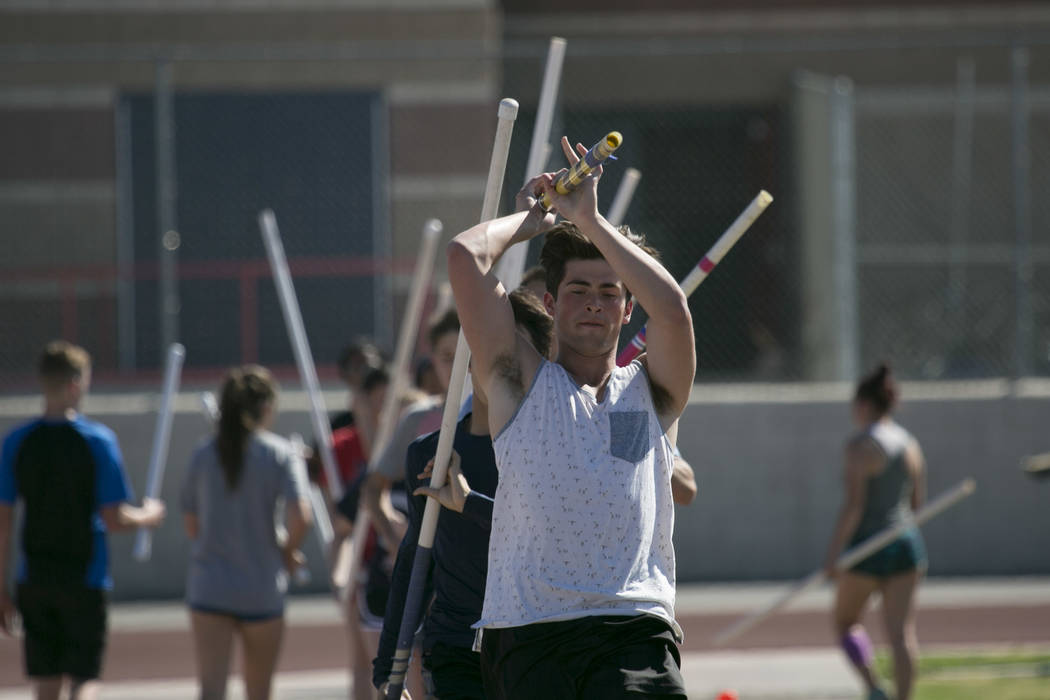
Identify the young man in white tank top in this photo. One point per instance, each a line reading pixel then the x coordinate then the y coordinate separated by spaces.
pixel 579 601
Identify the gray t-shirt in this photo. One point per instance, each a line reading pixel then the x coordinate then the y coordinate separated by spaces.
pixel 421 418
pixel 235 563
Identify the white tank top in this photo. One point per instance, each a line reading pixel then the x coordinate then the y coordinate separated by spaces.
pixel 583 514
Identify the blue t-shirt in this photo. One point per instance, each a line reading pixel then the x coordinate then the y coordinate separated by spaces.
pixel 65 472
pixel 459 563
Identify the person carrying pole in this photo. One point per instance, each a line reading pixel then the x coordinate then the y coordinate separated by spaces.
pixel 579 600
pixel 885 484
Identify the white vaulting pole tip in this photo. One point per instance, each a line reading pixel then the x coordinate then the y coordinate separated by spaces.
pixel 432 228
pixel 508 108
pixel 764 199
pixel 623 196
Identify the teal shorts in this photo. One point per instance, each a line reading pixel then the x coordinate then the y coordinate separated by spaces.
pixel 904 554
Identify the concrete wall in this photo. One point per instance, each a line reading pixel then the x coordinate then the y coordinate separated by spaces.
pixel 770 477
pixel 770 485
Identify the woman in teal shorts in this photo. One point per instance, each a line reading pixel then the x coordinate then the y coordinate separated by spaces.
pixel 884 480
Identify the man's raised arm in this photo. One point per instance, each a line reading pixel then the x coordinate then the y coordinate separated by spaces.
pixel 671 353
pixel 481 301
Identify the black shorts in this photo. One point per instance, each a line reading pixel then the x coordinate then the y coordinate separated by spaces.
pixel 589 657
pixel 455 672
pixel 64 630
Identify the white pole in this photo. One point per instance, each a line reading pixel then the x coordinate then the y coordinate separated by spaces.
pixel 511 266
pixel 161 438
pixel 293 320
pixel 703 268
pixel 869 546
pixel 624 193
pixel 508 112
pixel 539 148
pixel 322 523
pixel 347 563
pixel 209 406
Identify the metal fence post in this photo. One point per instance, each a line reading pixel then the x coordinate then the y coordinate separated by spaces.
pixel 844 222
pixel 1021 167
pixel 167 224
pixel 125 222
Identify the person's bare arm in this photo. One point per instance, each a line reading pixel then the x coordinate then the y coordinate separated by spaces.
pixel 390 525
pixel 861 457
pixel 7 606
pixel 484 311
pixel 683 482
pixel 297 520
pixel 124 516
pixel 671 355
pixel 918 466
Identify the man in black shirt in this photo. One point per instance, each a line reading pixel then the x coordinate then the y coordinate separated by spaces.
pixel 459 563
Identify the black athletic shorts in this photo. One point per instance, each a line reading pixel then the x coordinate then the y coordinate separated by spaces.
pixel 589 657
pixel 455 672
pixel 64 630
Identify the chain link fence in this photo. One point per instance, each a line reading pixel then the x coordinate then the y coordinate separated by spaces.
pixel 931 196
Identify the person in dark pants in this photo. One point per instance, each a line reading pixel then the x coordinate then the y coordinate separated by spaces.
pixel 69 474
pixel 884 477
pixel 579 598
pixel 456 578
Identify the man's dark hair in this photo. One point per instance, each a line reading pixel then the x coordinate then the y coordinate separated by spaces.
pixel 564 242
pixel 61 362
pixel 529 312
pixel 448 322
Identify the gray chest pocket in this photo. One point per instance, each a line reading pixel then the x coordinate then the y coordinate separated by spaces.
pixel 629 435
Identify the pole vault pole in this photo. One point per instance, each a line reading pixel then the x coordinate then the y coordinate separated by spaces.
pixel 624 194
pixel 703 268
pixel 863 550
pixel 511 266
pixel 348 562
pixel 508 112
pixel 293 321
pixel 158 458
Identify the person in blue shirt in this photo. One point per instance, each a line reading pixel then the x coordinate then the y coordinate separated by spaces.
pixel 456 580
pixel 69 474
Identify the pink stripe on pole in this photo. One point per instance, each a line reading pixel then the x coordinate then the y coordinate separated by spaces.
pixel 632 350
pixel 705 264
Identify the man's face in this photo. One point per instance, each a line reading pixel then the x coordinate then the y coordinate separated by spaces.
pixel 591 307
pixel 444 355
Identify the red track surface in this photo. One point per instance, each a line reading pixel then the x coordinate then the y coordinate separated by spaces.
pixel 147 654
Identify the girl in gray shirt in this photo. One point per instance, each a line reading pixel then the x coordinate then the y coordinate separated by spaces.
pixel 239 562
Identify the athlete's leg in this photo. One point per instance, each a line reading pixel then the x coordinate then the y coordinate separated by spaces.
pixel 898 609
pixel 84 689
pixel 360 661
pixel 213 644
pixel 851 599
pixel 47 688
pixel 262 644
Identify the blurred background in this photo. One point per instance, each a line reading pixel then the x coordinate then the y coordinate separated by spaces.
pixel 905 145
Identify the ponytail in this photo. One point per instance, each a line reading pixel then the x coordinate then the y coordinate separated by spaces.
pixel 879 389
pixel 245 393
